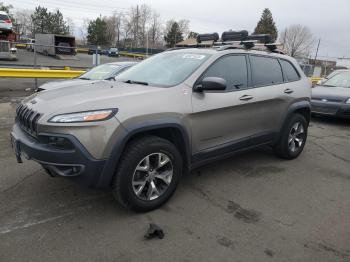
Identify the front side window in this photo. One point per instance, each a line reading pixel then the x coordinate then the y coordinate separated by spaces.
pixel 165 69
pixel 290 72
pixel 265 71
pixel 232 68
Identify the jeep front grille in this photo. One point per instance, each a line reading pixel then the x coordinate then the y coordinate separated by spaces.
pixel 27 119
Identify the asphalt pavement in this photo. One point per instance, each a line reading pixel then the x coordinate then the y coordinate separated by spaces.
pixel 252 207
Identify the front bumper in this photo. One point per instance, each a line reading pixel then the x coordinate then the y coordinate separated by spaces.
pixel 340 110
pixel 75 163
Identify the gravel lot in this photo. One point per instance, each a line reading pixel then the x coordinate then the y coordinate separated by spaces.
pixel 253 207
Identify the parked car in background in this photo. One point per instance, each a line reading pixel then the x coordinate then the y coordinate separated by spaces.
pixel 5 22
pixel 30 45
pixel 93 49
pixel 330 75
pixel 64 48
pixel 98 73
pixel 332 96
pixel 113 51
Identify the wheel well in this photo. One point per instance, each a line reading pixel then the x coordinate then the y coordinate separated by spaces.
pixel 172 134
pixel 304 111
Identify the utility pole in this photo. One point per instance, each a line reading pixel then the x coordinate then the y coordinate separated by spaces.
pixel 318 46
pixel 137 25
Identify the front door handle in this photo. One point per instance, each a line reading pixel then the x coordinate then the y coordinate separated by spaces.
pixel 288 91
pixel 246 97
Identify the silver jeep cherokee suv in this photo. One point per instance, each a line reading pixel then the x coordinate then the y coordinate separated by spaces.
pixel 164 117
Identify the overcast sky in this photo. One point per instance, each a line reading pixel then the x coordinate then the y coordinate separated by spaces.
pixel 328 20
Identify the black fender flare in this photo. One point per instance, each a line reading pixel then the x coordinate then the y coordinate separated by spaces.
pixel 108 171
pixel 304 104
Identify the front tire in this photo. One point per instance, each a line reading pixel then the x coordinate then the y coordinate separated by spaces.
pixel 293 138
pixel 148 173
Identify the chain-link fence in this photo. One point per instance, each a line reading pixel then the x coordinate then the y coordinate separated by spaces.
pixel 60 56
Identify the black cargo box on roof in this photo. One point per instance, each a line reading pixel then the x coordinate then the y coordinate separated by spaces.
pixel 207 37
pixel 234 35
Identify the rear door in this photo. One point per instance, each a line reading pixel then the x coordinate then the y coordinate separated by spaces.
pixel 261 106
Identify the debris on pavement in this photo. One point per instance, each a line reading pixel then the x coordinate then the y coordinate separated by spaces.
pixel 154 231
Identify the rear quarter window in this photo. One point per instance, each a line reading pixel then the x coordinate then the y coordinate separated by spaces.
pixel 265 71
pixel 290 73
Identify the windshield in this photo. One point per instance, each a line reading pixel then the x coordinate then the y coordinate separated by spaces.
pixel 3 17
pixel 341 80
pixel 102 72
pixel 113 49
pixel 165 69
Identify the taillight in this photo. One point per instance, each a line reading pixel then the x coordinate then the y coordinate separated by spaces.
pixel 8 21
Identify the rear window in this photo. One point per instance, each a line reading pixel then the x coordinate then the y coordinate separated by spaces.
pixel 290 72
pixel 3 17
pixel 265 71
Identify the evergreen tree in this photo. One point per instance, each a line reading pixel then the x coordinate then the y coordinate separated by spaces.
pixel 192 34
pixel 45 22
pixel 266 25
pixel 97 32
pixel 174 35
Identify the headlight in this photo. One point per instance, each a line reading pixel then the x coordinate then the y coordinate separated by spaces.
pixel 87 116
pixel 348 101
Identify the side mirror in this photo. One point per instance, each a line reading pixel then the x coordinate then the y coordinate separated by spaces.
pixel 210 84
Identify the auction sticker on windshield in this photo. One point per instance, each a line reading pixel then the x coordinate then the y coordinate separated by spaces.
pixel 193 56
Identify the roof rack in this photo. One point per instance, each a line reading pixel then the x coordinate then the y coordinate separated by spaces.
pixel 241 39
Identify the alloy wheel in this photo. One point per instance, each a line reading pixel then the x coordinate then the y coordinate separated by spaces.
pixel 152 176
pixel 296 137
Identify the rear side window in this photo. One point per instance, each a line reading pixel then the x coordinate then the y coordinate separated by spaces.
pixel 265 71
pixel 232 68
pixel 289 71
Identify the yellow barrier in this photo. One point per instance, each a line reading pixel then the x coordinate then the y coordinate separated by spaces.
pixel 38 73
pixel 131 54
pixel 314 80
pixel 21 46
pixel 82 50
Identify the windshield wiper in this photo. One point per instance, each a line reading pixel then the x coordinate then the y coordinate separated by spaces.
pixel 136 82
pixel 84 78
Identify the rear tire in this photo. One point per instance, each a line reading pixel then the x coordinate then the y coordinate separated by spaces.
pixel 293 138
pixel 148 173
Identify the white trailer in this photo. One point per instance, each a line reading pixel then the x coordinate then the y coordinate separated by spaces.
pixel 51 44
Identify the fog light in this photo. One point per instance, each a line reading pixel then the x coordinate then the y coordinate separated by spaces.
pixel 60 142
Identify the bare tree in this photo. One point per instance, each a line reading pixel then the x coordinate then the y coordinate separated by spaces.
pixel 184 25
pixel 71 25
pixel 24 22
pixel 111 23
pixel 118 26
pixel 155 31
pixel 144 21
pixel 83 31
pixel 297 40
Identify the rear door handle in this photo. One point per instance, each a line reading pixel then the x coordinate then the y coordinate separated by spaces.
pixel 288 91
pixel 246 97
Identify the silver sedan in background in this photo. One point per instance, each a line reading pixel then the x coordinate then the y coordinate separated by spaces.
pixel 102 72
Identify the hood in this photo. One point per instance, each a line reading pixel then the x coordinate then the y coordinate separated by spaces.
pixel 337 94
pixel 65 83
pixel 91 96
